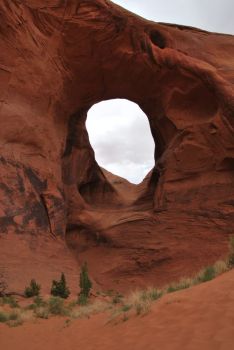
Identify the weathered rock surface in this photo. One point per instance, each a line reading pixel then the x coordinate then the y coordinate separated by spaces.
pixel 56 61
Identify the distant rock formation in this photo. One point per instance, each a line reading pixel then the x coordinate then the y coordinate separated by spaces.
pixel 56 61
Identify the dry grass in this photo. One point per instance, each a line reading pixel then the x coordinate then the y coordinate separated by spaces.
pixel 141 300
pixel 90 309
pixel 204 275
pixel 220 267
pixel 138 302
pixel 16 317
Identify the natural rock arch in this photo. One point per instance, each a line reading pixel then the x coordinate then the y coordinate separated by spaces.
pixel 56 62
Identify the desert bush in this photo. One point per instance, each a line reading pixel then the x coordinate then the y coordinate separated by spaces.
pixel 30 307
pixel 117 298
pixel 172 288
pixel 26 315
pixel 142 308
pixel 231 252
pixel 85 285
pixel 32 290
pixel 126 307
pixel 82 300
pixel 220 267
pixel 56 306
pixel 72 304
pixel 15 323
pixel 3 317
pixel 141 300
pixel 10 300
pixel 90 309
pixel 3 284
pixel 207 274
pixel 59 288
pixel 154 294
pixel 38 301
pixel 42 312
pixel 182 284
pixel 147 295
pixel 13 316
pixel 12 319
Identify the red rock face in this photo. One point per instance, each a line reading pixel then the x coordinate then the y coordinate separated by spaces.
pixel 56 61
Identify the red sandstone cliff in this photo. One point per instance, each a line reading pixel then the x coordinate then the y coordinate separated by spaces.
pixel 56 61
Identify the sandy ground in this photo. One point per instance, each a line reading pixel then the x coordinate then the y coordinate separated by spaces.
pixel 201 318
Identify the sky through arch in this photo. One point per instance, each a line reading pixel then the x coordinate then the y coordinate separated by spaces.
pixel 120 135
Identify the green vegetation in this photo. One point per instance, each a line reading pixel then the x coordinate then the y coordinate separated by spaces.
pixel 207 274
pixel 90 309
pixel 9 300
pixel 13 316
pixel 3 284
pixel 56 306
pixel 3 317
pixel 126 307
pixel 59 288
pixel 85 285
pixel 42 312
pixel 82 300
pixel 39 302
pixel 138 302
pixel 231 252
pixel 12 319
pixel 33 289
pixel 117 299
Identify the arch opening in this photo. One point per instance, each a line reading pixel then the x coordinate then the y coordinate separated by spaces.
pixel 121 138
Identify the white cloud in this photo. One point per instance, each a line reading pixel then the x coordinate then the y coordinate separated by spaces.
pixel 120 135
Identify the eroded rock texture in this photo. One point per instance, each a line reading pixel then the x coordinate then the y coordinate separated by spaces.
pixel 56 61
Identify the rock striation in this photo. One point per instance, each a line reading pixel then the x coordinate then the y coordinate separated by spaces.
pixel 56 61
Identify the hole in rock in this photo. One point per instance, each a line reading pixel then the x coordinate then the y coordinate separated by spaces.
pixel 120 135
pixel 157 39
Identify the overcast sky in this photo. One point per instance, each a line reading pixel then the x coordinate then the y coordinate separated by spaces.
pixel 119 131
pixel 120 135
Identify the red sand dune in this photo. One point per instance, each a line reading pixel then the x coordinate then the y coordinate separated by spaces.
pixel 199 318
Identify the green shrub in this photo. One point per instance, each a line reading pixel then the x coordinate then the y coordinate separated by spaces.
pixel 231 252
pixel 126 307
pixel 56 306
pixel 59 288
pixel 117 299
pixel 42 312
pixel 33 289
pixel 10 300
pixel 171 289
pixel 15 323
pixel 154 294
pixel 82 300
pixel 3 317
pixel 182 284
pixel 38 301
pixel 3 284
pixel 85 285
pixel 207 274
pixel 13 316
pixel 139 308
pixel 30 307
